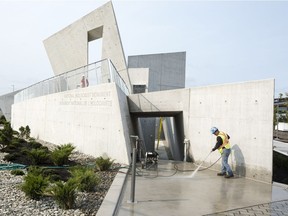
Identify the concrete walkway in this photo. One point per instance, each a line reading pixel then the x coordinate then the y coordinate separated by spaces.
pixel 167 190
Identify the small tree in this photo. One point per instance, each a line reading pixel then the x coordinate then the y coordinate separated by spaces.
pixel 27 131
pixel 6 134
pixel 22 132
pixel 2 119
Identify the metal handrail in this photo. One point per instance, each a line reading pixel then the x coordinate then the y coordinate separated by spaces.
pixel 93 74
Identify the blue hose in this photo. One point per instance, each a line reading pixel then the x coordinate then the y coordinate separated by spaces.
pixel 12 166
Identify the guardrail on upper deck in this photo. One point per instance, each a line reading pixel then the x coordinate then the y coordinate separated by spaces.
pixel 93 74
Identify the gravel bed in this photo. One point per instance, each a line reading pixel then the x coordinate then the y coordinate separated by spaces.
pixel 14 202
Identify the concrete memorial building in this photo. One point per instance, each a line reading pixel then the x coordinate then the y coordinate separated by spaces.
pixel 98 107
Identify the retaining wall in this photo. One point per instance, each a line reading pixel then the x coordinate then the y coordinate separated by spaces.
pixel 94 119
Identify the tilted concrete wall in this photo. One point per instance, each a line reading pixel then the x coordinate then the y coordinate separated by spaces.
pixel 68 48
pixel 95 119
pixel 243 110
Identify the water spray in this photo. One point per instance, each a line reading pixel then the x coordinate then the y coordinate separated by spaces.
pixel 195 171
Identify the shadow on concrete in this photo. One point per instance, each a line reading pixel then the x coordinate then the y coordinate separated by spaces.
pixel 239 166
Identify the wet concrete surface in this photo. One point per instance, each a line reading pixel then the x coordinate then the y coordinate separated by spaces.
pixel 163 190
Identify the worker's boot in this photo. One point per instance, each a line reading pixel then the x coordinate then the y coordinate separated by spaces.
pixel 221 174
pixel 229 176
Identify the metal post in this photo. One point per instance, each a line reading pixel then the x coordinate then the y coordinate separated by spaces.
pixel 133 177
pixel 132 195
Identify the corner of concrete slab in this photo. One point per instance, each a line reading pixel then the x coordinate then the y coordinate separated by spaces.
pixel 113 198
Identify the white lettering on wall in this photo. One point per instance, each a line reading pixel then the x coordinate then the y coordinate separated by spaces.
pixel 99 99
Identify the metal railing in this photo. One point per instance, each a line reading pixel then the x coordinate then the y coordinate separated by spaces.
pixel 93 74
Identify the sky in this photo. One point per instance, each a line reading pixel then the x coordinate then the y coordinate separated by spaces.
pixel 224 41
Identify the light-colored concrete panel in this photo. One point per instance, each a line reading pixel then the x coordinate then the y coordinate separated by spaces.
pixel 166 70
pixel 95 119
pixel 243 110
pixel 139 76
pixel 68 48
pixel 162 101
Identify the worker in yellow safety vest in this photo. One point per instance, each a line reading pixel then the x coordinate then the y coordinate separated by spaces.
pixel 224 148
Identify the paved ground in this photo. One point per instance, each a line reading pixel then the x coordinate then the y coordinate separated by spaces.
pixel 163 191
pixel 168 190
pixel 279 208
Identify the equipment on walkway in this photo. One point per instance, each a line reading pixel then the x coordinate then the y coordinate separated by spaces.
pixel 151 158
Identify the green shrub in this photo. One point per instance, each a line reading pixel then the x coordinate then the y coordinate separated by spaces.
pixel 31 139
pixel 2 119
pixel 34 183
pixel 85 178
pixel 60 156
pixel 34 144
pixel 7 134
pixel 12 156
pixel 15 133
pixel 27 131
pixel 64 193
pixel 38 156
pixel 57 174
pixel 103 164
pixel 17 172
pixel 12 147
pixel 17 142
pixel 22 132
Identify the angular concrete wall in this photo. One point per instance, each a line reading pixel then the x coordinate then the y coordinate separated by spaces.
pixel 243 110
pixel 95 119
pixel 6 102
pixel 68 48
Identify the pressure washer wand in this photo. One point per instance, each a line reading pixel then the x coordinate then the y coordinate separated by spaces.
pixel 195 171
